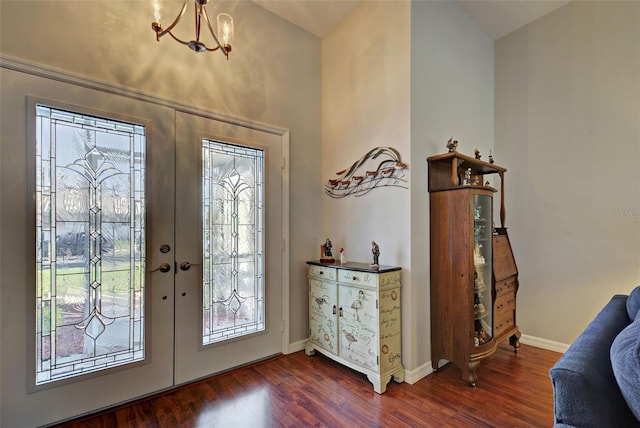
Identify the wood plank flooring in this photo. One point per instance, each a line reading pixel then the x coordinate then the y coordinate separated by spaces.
pixel 513 390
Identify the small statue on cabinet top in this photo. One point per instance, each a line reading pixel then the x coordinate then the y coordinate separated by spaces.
pixel 343 257
pixel 476 153
pixel 491 157
pixel 466 181
pixel 326 253
pixel 375 251
pixel 452 145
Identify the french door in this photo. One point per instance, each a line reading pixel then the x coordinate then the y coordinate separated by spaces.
pixel 134 263
pixel 229 228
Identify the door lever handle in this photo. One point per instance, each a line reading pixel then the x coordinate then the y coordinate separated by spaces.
pixel 164 267
pixel 187 265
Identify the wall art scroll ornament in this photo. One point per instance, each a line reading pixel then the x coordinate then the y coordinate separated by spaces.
pixel 379 167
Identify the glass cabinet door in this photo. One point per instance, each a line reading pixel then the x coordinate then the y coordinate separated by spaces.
pixel 482 241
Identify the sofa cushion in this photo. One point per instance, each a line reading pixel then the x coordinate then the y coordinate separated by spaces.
pixel 633 303
pixel 585 390
pixel 625 360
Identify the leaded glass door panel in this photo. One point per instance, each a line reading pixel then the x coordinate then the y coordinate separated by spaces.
pixel 77 247
pixel 90 243
pixel 233 241
pixel 228 195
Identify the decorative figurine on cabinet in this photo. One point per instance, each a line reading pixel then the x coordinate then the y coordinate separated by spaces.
pixel 343 257
pixel 375 251
pixel 466 181
pixel 476 153
pixel 452 145
pixel 326 253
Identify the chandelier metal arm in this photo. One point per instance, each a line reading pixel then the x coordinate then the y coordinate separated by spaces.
pixel 224 51
pixel 160 32
pixel 174 37
pixel 177 39
pixel 198 9
pixel 196 45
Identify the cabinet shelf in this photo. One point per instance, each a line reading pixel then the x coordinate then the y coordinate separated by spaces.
pixel 446 172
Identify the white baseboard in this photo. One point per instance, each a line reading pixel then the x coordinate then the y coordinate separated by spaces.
pixel 296 346
pixel 413 376
pixel 539 342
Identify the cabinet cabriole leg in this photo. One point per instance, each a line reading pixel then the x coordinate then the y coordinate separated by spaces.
pixel 473 376
pixel 378 385
pixel 309 350
pixel 398 377
pixel 514 341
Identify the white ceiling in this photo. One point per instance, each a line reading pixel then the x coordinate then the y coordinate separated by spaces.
pixel 496 17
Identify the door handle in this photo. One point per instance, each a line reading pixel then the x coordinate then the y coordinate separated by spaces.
pixel 187 265
pixel 164 267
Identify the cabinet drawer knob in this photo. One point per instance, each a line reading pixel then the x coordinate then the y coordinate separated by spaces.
pixel 334 309
pixel 355 278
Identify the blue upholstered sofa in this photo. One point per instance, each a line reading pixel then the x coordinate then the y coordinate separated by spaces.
pixel 596 383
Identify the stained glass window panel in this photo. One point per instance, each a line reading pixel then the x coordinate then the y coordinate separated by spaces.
pixel 90 252
pixel 233 241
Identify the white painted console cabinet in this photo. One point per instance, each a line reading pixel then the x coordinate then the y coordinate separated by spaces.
pixel 354 318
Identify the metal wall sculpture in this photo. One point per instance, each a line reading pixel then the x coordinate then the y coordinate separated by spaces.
pixel 379 167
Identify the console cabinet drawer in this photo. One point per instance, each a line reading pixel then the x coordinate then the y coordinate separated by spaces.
pixel 322 272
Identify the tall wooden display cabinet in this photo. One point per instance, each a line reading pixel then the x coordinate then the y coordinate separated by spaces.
pixel 474 279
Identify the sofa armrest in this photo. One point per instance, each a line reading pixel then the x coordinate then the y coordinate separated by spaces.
pixel 585 390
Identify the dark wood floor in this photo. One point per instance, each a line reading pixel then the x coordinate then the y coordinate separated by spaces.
pixel 513 390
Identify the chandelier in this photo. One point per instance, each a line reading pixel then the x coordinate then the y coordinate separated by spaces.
pixel 222 42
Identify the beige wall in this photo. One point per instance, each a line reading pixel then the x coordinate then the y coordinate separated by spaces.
pixel 406 75
pixel 365 104
pixel 451 96
pixel 568 128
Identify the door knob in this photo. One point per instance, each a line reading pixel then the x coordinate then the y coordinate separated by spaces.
pixel 164 267
pixel 187 265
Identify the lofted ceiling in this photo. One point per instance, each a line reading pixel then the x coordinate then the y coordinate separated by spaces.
pixel 496 17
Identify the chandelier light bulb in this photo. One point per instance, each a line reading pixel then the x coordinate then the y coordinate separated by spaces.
pixel 225 30
pixel 156 10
